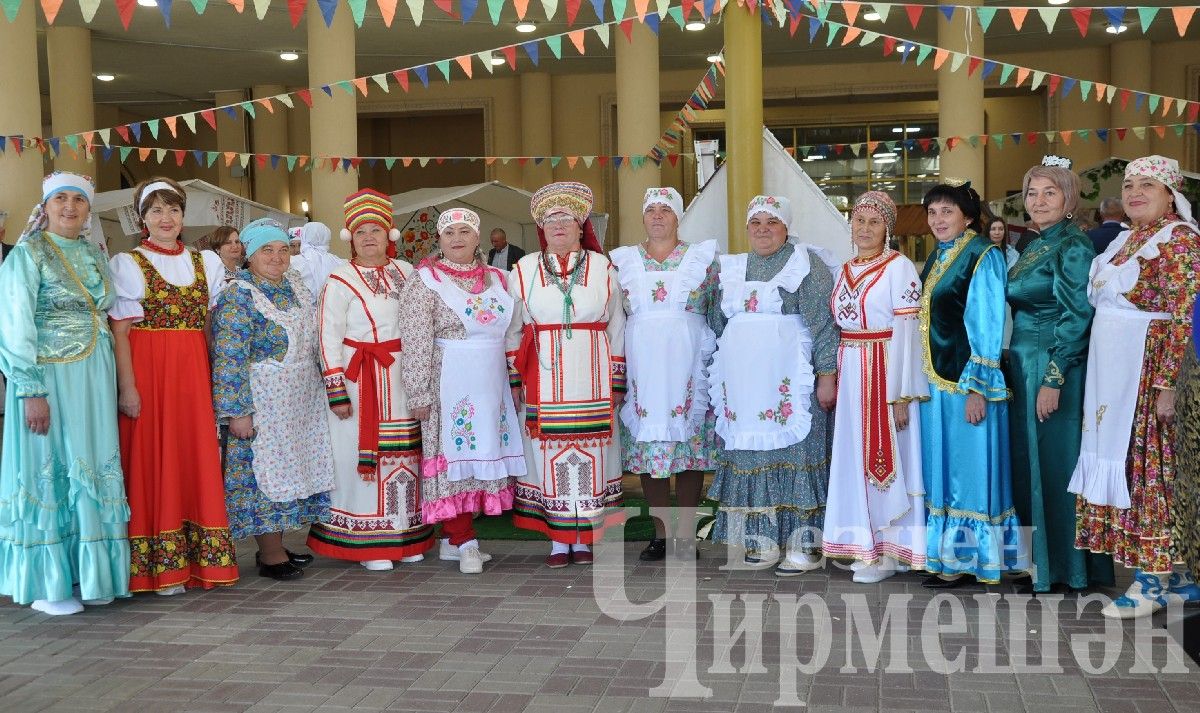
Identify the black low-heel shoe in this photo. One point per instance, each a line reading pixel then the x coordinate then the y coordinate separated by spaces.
pixel 297 560
pixel 282 571
pixel 655 551
pixel 936 582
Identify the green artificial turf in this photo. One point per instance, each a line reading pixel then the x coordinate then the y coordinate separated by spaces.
pixel 637 529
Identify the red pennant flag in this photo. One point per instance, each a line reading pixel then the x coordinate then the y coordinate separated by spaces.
pixel 355 162
pixel 125 10
pixel 1121 133
pixel 1193 112
pixel 439 161
pixel 1125 94
pixel 838 148
pixel 444 6
pixel 123 131
pixel 602 160
pixel 627 28
pixel 925 143
pixel 973 65
pixel 687 8
pixel 170 122
pixel 305 96
pixel 1083 16
pixel 523 160
pixel 401 76
pixel 296 11
pixel 674 159
pixel 952 142
pixel 1052 84
pixel 180 155
pixel 1031 137
pixel 17 145
pixel 572 11
pixel 260 159
pixel 914 13
pixel 889 45
pixel 794 24
pixel 510 55
pixel 210 118
pixel 51 7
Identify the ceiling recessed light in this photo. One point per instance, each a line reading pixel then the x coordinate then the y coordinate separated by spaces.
pixel 1115 29
pixel 713 58
pixel 871 16
pixel 526 26
pixel 103 77
pixel 885 154
pixel 147 3
pixel 497 60
pixel 695 26
pixel 1058 2
pixel 289 55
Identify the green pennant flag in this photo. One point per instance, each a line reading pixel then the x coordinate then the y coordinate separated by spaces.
pixel 1083 133
pixel 291 163
pixel 676 14
pixel 211 158
pixel 424 161
pixel 833 30
pixel 823 11
pixel 637 161
pixel 867 38
pixel 587 160
pixel 11 7
pixel 1085 88
pixel 603 31
pixel 153 124
pixel 1006 71
pixel 1139 131
pixel 73 141
pixel 248 108
pixel 494 9
pixel 381 80
pixel 388 163
pixel 956 60
pixel 998 140
pixel 554 42
pixel 124 152
pixel 1037 80
pixel 443 67
pixel 883 11
pixel 1146 16
pixel 199 6
pixel 160 154
pixel 986 15
pixel 1179 129
pixel 923 52
pixel 1154 101
pixel 190 119
pixel 1049 17
pixel 974 141
pixel 358 8
pixel 618 9
pixel 554 161
pixel 346 85
pixel 891 145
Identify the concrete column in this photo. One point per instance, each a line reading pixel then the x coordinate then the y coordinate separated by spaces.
pixel 637 129
pixel 231 136
pixel 1130 67
pixel 333 120
pixel 270 135
pixel 960 101
pixel 299 142
pixel 69 61
pixel 20 113
pixel 743 117
pixel 506 132
pixel 536 116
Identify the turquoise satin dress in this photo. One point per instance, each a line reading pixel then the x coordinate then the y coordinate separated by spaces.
pixel 63 513
pixel 1047 290
pixel 972 527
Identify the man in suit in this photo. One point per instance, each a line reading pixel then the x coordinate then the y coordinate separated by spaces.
pixel 502 255
pixel 1111 214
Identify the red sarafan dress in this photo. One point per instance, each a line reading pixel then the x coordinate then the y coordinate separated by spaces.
pixel 178 528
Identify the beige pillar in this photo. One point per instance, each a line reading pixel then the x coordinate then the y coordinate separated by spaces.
pixel 299 142
pixel 69 61
pixel 536 116
pixel 334 120
pixel 270 135
pixel 20 113
pixel 637 130
pixel 506 132
pixel 108 173
pixel 231 136
pixel 960 101
pixel 743 118
pixel 1130 67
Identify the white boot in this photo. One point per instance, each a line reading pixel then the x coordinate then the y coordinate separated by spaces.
pixel 798 562
pixel 61 607
pixel 171 591
pixel 1145 596
pixel 377 565
pixel 450 553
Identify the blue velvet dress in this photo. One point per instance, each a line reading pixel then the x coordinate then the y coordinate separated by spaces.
pixel 972 525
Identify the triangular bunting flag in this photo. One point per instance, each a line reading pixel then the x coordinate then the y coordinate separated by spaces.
pixel 985 15
pixel 1116 15
pixel 602 31
pixel 87 7
pixel 1085 89
pixel 125 11
pixel 1066 136
pixel 914 14
pixel 485 58
pixel 956 60
pixel 1139 131
pixel 124 152
pixel 468 8
pixel 1082 16
pixel 190 119
pixel 422 73
pixel 1006 71
pixel 554 42
pixel 49 8
pixel 260 10
pixel 381 81
pixel 248 108
pixel 1154 100
pixel 265 103
pixel 464 63
pixel 948 11
pixel 1146 17
pixel 577 37
pixel 328 8
pixel 170 122
pixel 417 9
pixel 296 11
pixel 1018 16
pixel 1049 17
pixel 851 9
pixel 531 49
pixel 1038 76
pixel 1183 16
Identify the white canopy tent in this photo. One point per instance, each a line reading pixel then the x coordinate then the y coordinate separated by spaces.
pixel 814 219
pixel 498 205
pixel 208 208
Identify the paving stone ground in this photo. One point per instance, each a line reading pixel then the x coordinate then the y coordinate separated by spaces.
pixel 522 637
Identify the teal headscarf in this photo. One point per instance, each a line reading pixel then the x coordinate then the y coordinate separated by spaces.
pixel 260 232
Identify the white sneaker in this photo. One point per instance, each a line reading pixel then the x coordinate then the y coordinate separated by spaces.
pixel 470 561
pixel 97 602
pixel 62 607
pixel 872 573
pixel 412 558
pixel 171 591
pixel 1145 596
pixel 377 565
pixel 798 563
pixel 449 553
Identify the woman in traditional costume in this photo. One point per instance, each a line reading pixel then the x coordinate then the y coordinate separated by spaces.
pixel 667 427
pixel 315 263
pixel 375 508
pixel 566 344
pixel 1144 289
pixel 178 529
pixel 267 386
pixel 875 514
pixel 972 528
pixel 455 316
pixel 63 511
pixel 772 384
pixel 1047 291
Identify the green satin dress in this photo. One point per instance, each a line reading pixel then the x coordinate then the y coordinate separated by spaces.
pixel 1047 290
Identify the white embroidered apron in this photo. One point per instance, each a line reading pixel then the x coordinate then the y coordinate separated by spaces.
pixel 480 433
pixel 666 346
pixel 1117 346
pixel 292 456
pixel 761 376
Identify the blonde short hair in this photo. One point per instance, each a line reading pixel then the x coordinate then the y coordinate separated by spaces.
pixel 1064 178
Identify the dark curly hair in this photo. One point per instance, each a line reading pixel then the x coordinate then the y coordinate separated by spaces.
pixel 965 197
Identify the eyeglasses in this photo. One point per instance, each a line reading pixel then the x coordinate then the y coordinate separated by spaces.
pixel 557 220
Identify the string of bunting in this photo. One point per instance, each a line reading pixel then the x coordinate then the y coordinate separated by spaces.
pixel 466 9
pixel 532 49
pixel 698 101
pixel 1055 83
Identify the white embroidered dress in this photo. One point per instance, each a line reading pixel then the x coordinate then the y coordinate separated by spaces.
pixel 876 505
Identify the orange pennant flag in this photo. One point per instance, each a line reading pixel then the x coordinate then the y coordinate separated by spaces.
pixel 1100 89
pixel 266 104
pixel 361 83
pixel 522 7
pixel 1022 74
pixel 143 154
pixel 852 33
pixel 983 139
pixel 1183 16
pixel 1018 16
pixel 406 161
pixel 464 61
pixel 1066 136
pixel 238 5
pixel 1167 102
pixel 851 9
pixel 488 161
pixel 302 162
pixel 871 146
pixel 387 8
pixel 641 6
pixel 939 58
pixel 51 7
pixel 170 122
pixel 577 40
pixel 571 161
pixel 1161 131
pixel 229 156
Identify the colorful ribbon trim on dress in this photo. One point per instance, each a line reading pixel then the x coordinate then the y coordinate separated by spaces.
pixel 879 448
pixel 367 357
